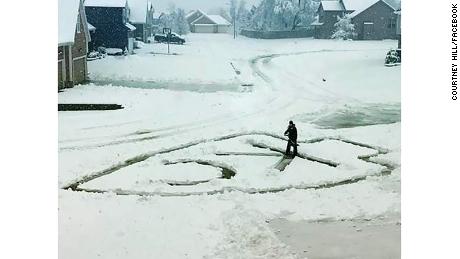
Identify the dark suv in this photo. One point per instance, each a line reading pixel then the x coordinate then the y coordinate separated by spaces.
pixel 173 39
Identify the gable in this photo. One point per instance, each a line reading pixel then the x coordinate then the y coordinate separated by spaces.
pixel 381 5
pixel 358 5
pixel 203 20
pixel 191 17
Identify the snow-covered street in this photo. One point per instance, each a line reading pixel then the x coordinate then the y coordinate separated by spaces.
pixel 193 166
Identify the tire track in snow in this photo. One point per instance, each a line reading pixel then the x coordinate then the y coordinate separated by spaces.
pixel 151 134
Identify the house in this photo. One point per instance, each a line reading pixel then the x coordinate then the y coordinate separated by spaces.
pixel 73 38
pixel 373 19
pixel 142 18
pixel 201 22
pixel 111 18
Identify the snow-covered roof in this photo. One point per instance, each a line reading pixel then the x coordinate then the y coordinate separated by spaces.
pixel 358 6
pixel 218 19
pixel 138 10
pixel 90 26
pixel 105 3
pixel 352 5
pixel 332 5
pixel 189 14
pixel 214 18
pixel 130 26
pixel 355 7
pixel 193 12
pixel 67 20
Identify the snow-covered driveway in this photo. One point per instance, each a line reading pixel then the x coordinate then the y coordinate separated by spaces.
pixel 188 169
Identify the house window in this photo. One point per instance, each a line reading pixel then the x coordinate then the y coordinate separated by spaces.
pixel 391 23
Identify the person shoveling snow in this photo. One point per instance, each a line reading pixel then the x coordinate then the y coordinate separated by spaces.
pixel 291 133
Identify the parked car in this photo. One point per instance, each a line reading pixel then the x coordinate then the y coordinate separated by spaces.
pixel 173 39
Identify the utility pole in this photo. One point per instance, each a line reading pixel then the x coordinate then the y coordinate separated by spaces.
pixel 234 26
pixel 233 6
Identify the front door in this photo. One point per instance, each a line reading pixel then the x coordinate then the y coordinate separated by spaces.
pixel 368 30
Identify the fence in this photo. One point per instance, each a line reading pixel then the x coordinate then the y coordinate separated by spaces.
pixel 277 34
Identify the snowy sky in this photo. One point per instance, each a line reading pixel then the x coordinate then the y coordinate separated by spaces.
pixel 204 5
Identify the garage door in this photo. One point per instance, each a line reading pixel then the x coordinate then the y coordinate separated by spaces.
pixel 204 28
pixel 223 28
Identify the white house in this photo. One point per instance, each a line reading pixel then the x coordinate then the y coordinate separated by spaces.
pixel 200 22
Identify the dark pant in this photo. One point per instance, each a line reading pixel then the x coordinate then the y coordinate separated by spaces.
pixel 291 143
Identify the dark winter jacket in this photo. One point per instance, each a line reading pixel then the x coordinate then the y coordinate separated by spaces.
pixel 291 132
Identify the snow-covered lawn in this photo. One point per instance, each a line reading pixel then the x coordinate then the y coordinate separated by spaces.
pixel 152 180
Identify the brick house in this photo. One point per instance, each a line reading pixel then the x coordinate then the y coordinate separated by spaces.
pixel 373 19
pixel 142 18
pixel 73 38
pixel 111 19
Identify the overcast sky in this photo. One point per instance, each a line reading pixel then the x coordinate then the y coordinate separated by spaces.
pixel 204 5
